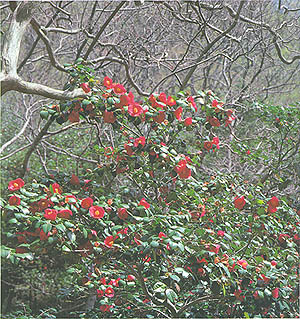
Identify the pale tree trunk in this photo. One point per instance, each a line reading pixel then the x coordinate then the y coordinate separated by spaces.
pixel 9 79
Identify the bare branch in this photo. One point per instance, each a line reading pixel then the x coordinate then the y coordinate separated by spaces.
pixel 19 85
pixel 211 44
pixel 46 41
pixel 105 24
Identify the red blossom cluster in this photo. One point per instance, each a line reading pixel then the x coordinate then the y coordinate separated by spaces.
pixel 220 114
pixel 208 145
pixel 273 203
pixel 182 168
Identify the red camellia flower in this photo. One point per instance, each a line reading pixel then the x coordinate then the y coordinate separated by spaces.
pixel 73 117
pixel 107 82
pixel 100 293
pixel 128 149
pixel 74 180
pixel 216 141
pixel 275 293
pixel 85 87
pixel 71 199
pixel 256 295
pixel 105 308
pixel 130 278
pixel 50 214
pixel 15 184
pixel 182 170
pixel 213 121
pixel 188 121
pixel 109 241
pixel 238 295
pixel 114 282
pixel 229 120
pixel 161 235
pixel 171 101
pixel 162 97
pixel 152 99
pixel 273 263
pixel 124 101
pixel 272 204
pixel 43 204
pixel 229 112
pixel 56 188
pixel 144 203
pixel 160 117
pixel 87 203
pixel 192 102
pixel 214 103
pixel 108 117
pixel 109 292
pixel 96 211
pixel 178 113
pixel 65 213
pixel 140 140
pixel 119 89
pixel 243 263
pixel 122 213
pixel 14 201
pixel 239 202
pixel 43 235
pixel 135 109
pixel 274 201
pixel 221 233
pixel 21 250
pixel 214 248
pixel 208 145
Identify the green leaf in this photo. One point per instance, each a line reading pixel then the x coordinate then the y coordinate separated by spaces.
pixel 179 270
pixel 28 256
pixel 61 227
pixel 185 274
pixel 181 247
pixel 267 292
pixel 5 252
pixel 261 294
pixel 154 244
pixel 175 277
pixel 71 236
pixel 47 227
pixel 66 249
pixel 68 224
pixel 71 270
pixel 85 233
pixel 28 194
pixel 13 221
pixel 44 115
pixel 171 295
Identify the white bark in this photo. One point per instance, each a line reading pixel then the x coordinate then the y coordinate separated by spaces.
pixel 9 79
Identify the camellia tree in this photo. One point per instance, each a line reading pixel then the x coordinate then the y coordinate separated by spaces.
pixel 145 234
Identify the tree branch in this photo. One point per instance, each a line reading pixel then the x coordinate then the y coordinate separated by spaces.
pixel 17 84
pixel 34 145
pixel 105 24
pixel 20 20
pixel 211 44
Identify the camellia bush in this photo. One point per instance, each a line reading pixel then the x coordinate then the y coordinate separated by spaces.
pixel 145 234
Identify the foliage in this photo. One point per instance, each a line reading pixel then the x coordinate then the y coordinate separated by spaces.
pixel 145 232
